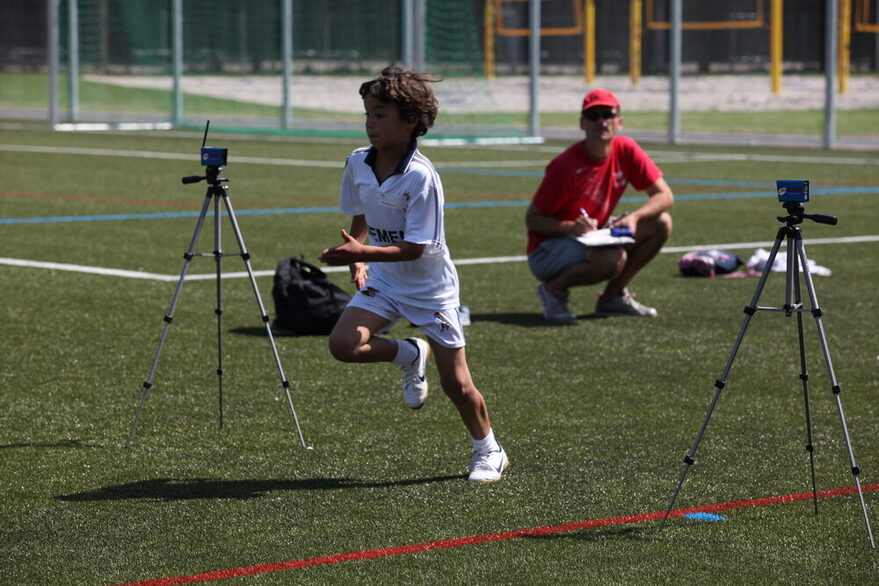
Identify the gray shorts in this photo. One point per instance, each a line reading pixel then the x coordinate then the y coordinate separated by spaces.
pixel 554 256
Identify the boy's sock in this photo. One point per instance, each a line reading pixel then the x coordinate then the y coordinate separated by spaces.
pixel 407 352
pixel 486 444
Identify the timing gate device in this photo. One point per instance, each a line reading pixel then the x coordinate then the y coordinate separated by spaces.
pixel 214 159
pixel 792 195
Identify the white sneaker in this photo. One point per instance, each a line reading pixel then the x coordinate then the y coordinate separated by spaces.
pixel 489 466
pixel 625 305
pixel 555 305
pixel 414 378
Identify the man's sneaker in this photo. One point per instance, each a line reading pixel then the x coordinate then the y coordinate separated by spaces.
pixel 555 305
pixel 489 466
pixel 625 305
pixel 414 377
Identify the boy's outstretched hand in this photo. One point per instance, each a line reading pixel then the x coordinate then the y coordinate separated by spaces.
pixel 345 254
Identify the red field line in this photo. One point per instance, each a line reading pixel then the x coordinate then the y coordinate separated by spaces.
pixel 477 539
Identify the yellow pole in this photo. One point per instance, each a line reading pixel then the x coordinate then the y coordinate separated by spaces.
pixel 589 41
pixel 488 40
pixel 776 43
pixel 635 30
pixel 845 43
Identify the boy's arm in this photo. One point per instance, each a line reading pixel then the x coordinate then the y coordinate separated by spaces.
pixel 353 250
pixel 359 270
pixel 359 228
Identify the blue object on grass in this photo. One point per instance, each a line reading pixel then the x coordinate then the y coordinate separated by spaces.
pixel 705 517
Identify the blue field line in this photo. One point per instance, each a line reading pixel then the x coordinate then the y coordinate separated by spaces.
pixel 58 219
pixel 164 215
pixel 539 173
pixel 768 186
pixel 768 192
pixel 722 183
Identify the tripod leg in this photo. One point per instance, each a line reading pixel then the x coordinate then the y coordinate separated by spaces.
pixel 834 385
pixel 804 374
pixel 265 317
pixel 218 259
pixel 190 252
pixel 750 310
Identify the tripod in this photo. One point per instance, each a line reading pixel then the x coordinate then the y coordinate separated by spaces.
pixel 216 191
pixel 796 262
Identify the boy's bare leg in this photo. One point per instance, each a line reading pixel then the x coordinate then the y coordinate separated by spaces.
pixel 352 338
pixel 458 385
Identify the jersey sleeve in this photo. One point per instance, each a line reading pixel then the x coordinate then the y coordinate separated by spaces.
pixel 424 217
pixel 349 199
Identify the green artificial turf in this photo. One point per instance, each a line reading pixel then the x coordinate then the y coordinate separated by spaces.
pixel 595 416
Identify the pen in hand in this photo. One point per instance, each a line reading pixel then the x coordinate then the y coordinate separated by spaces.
pixel 590 224
pixel 583 224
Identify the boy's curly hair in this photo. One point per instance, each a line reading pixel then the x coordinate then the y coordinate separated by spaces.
pixel 411 92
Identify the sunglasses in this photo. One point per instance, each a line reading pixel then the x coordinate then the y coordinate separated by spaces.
pixel 593 115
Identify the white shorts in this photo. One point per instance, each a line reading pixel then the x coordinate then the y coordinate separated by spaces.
pixel 440 325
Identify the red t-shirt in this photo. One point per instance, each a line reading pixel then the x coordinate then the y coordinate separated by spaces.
pixel 574 180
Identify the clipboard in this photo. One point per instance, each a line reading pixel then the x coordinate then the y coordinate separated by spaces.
pixel 607 237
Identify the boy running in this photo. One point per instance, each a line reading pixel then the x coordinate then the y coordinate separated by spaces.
pixel 395 197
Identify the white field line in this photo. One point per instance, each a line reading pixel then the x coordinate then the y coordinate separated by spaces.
pixel 55 266
pixel 233 159
pixel 60 150
pixel 662 156
pixel 695 157
pixel 57 150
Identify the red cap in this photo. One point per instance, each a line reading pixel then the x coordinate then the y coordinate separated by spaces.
pixel 599 97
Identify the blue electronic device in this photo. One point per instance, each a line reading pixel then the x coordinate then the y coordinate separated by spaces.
pixel 213 156
pixel 795 191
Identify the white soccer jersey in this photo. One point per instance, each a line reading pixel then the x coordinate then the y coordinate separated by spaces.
pixel 408 206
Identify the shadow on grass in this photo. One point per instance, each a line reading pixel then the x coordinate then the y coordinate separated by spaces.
pixel 523 320
pixel 603 535
pixel 58 444
pixel 260 332
pixel 181 489
pixel 528 320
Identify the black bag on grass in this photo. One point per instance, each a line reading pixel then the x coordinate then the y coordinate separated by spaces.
pixel 306 302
